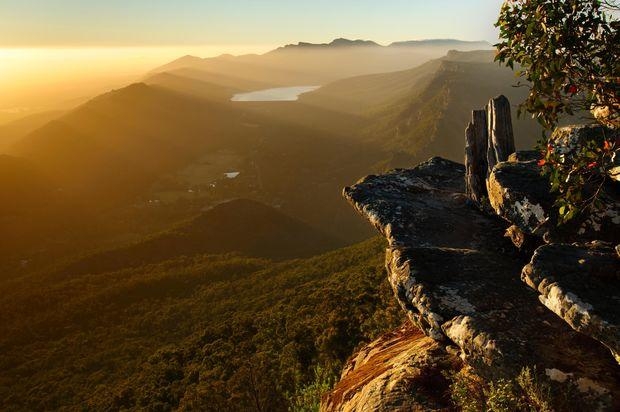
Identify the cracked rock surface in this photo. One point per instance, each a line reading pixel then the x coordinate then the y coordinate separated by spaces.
pixel 452 272
pixel 580 284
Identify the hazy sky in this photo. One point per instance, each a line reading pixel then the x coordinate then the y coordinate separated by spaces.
pixel 26 23
pixel 60 52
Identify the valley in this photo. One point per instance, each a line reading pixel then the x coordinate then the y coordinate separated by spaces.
pixel 167 241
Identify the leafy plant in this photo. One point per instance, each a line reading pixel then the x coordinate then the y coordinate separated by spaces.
pixel 578 170
pixel 307 398
pixel 567 51
pixel 529 391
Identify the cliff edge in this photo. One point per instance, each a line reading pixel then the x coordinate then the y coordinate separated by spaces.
pixel 459 280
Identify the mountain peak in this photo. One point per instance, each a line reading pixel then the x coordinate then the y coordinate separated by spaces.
pixel 346 42
pixel 339 42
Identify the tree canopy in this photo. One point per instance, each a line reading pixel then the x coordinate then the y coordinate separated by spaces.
pixel 568 51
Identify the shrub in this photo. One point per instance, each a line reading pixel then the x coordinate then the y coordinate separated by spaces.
pixel 567 51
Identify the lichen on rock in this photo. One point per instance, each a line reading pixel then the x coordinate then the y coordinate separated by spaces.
pixel 458 278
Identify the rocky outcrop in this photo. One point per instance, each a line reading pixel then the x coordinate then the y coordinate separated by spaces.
pixel 521 195
pixel 580 284
pixel 455 275
pixel 400 371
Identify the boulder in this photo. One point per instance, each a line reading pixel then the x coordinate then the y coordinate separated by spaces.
pixel 580 284
pixel 519 194
pixel 453 273
pixel 402 370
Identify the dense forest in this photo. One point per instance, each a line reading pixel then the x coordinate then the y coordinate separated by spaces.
pixel 209 332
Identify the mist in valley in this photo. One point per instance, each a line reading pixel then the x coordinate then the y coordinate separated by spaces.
pixel 174 234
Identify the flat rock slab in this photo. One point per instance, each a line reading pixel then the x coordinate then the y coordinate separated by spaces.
pixel 450 267
pixel 580 284
pixel 402 370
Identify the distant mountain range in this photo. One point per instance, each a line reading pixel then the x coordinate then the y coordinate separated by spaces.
pixel 318 64
pixel 336 43
pixel 423 110
pixel 139 159
pixel 343 43
pixel 452 43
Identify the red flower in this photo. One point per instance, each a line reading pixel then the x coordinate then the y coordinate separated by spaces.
pixel 542 162
pixel 591 165
pixel 607 145
pixel 572 89
pixel 549 148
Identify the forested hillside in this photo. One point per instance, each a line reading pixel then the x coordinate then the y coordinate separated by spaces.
pixel 209 332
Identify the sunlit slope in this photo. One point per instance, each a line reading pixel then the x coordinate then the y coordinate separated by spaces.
pixel 185 332
pixel 203 83
pixel 135 145
pixel 423 111
pixel 243 226
pixel 361 94
pixel 432 121
pixel 118 143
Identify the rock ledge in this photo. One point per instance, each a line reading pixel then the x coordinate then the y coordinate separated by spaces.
pixel 455 275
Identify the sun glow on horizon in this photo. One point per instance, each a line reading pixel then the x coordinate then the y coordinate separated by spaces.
pixel 40 78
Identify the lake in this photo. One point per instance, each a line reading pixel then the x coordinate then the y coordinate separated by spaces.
pixel 279 94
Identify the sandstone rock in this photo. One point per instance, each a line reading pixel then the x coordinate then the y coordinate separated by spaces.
pixel 610 118
pixel 449 267
pixel 519 194
pixel 476 167
pixel 580 284
pixel 501 138
pixel 522 241
pixel 400 371
pixel 524 156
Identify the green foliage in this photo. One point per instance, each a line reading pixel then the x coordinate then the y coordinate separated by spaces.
pixel 210 332
pixel 568 53
pixel 530 391
pixel 577 172
pixel 307 398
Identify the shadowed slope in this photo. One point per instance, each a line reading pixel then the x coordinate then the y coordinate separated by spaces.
pixel 244 226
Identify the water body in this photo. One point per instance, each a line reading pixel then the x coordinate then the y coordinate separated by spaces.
pixel 279 94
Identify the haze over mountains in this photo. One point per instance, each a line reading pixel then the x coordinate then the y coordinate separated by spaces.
pixel 151 228
pixel 310 64
pixel 170 139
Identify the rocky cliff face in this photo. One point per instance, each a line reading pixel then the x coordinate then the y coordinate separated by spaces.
pixel 463 284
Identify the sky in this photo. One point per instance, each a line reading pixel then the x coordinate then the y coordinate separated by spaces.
pixel 25 23
pixel 55 52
